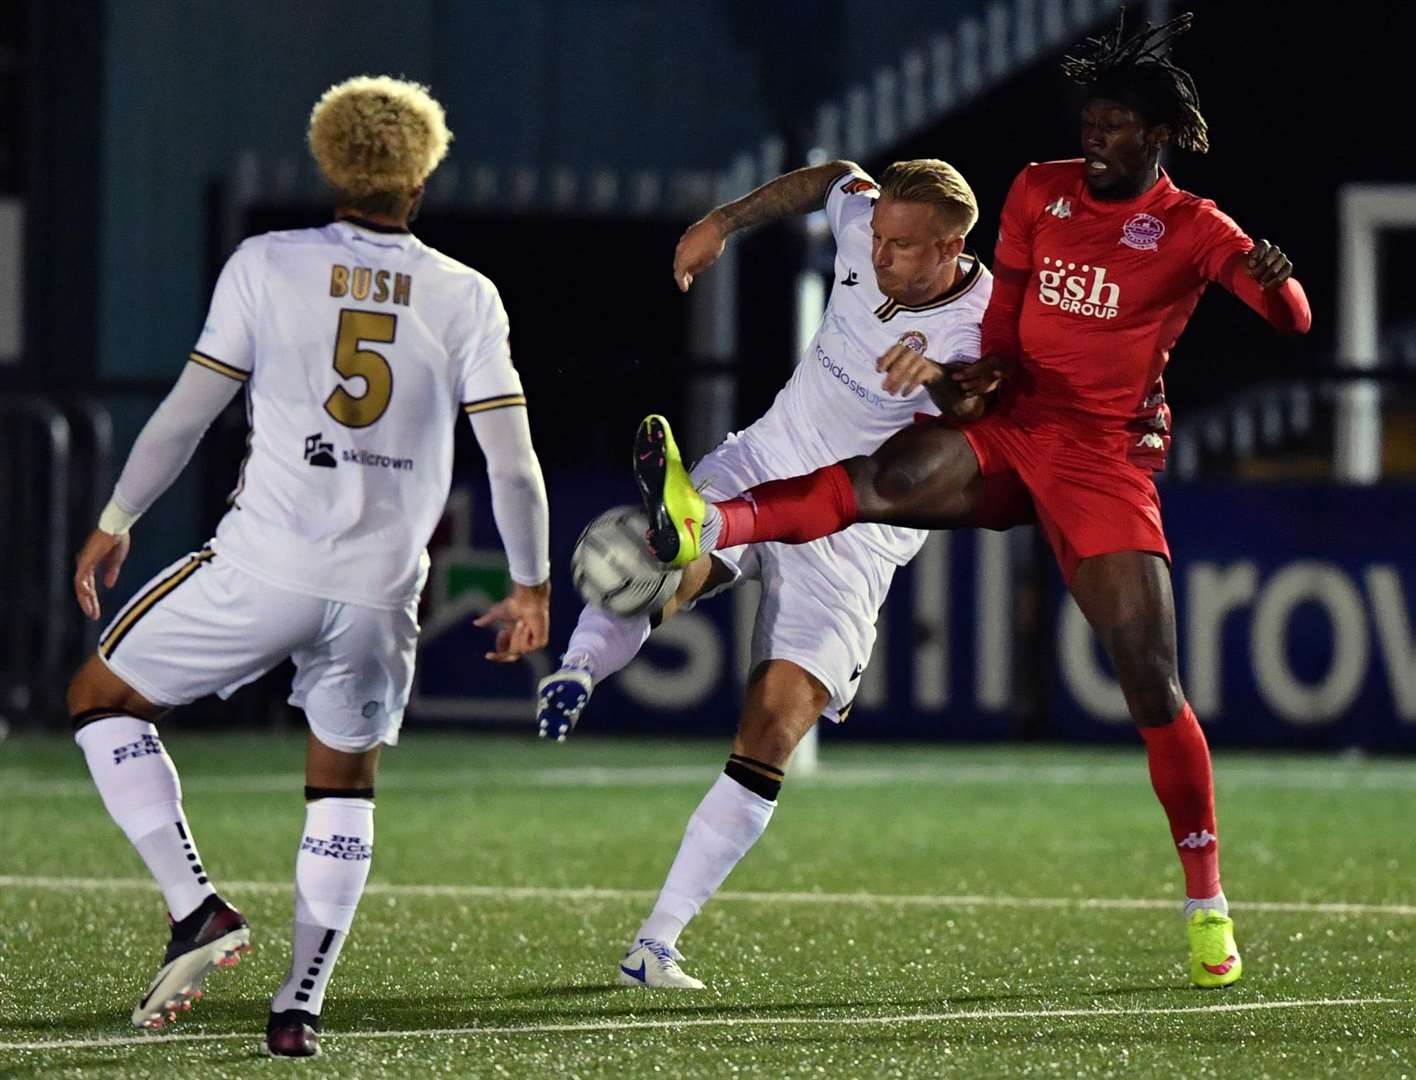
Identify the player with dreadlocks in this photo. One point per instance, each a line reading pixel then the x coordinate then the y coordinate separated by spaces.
pixel 1099 264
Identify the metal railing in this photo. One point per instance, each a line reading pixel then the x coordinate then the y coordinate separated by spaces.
pixel 55 465
pixel 1297 419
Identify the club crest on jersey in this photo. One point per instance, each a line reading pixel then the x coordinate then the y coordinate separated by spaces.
pixel 857 184
pixel 1080 289
pixel 913 339
pixel 1142 232
pixel 1060 207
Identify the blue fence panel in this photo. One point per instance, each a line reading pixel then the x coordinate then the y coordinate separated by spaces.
pixel 1294 616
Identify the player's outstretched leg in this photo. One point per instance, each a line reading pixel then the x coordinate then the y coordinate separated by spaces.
pixel 783 703
pixel 603 643
pixel 926 476
pixel 1127 598
pixel 331 870
pixel 141 791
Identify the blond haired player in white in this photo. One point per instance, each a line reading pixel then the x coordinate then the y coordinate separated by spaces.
pixel 907 300
pixel 358 347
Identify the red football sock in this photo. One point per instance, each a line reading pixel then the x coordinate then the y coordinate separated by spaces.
pixel 792 511
pixel 1180 773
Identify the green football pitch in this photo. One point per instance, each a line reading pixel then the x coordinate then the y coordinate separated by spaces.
pixel 912 911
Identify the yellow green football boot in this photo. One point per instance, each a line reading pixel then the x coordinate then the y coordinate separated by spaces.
pixel 1214 957
pixel 675 510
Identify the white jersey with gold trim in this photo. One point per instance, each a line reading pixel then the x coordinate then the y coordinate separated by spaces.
pixel 359 348
pixel 833 407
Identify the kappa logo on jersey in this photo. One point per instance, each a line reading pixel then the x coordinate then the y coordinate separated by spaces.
pixel 1060 207
pixel 850 279
pixel 913 339
pixel 1083 293
pixel 318 452
pixel 857 184
pixel 1143 232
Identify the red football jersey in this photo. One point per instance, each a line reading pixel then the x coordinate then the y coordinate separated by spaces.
pixel 1107 287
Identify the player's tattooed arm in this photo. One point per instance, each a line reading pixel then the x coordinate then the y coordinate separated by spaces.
pixel 793 193
pixel 798 192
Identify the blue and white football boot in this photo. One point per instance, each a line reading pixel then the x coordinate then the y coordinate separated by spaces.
pixel 560 699
pixel 655 964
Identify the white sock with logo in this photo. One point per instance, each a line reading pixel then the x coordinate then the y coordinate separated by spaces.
pixel 602 644
pixel 141 791
pixel 331 869
pixel 721 831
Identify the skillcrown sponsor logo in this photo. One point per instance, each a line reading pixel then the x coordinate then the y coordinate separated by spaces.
pixel 320 453
pixel 1081 289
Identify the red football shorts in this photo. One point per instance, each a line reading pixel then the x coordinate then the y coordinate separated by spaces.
pixel 1089 499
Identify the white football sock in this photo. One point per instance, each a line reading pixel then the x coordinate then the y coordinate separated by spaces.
pixel 602 643
pixel 711 529
pixel 1216 903
pixel 331 869
pixel 141 791
pixel 721 831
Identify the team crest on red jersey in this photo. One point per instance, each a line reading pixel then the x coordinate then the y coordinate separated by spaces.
pixel 1143 232
pixel 858 184
pixel 913 339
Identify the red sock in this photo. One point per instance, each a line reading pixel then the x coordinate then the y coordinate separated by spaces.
pixel 1180 773
pixel 792 511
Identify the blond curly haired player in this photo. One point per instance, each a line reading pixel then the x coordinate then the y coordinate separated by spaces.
pixel 358 347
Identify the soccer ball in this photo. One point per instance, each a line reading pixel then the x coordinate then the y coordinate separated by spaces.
pixel 613 568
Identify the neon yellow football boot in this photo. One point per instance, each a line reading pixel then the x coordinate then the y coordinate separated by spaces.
pixel 1214 957
pixel 675 509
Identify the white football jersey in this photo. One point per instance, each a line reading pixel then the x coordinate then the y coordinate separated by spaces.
pixel 359 346
pixel 833 407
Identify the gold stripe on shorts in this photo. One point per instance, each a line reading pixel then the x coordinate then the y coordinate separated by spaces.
pixel 145 603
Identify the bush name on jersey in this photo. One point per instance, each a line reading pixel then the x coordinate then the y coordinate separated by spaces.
pixel 359 281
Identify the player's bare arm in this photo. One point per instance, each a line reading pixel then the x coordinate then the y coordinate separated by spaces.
pixel 799 192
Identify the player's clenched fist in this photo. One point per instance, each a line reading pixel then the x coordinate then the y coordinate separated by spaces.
pixel 1268 266
pixel 698 248
pixel 982 376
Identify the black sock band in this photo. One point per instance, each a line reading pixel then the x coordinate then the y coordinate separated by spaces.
pixel 757 776
pixel 313 793
pixel 92 716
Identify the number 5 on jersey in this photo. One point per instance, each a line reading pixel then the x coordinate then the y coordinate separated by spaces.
pixel 350 360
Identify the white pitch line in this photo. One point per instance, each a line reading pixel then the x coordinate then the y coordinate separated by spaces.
pixel 1303 778
pixel 859 899
pixel 726 1021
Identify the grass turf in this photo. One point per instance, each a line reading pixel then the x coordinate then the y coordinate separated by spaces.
pixel 886 979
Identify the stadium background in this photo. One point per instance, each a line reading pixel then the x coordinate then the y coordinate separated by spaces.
pixel 143 141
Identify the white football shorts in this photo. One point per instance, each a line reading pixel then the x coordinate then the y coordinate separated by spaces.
pixel 203 626
pixel 819 600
